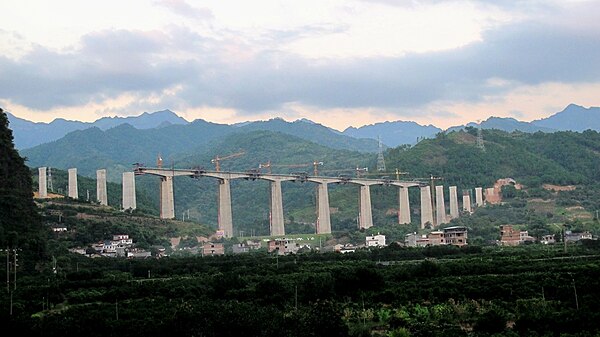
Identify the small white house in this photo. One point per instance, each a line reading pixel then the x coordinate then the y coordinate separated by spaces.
pixel 122 239
pixel 375 240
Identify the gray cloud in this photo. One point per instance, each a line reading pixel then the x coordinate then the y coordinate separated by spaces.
pixel 528 54
pixel 112 62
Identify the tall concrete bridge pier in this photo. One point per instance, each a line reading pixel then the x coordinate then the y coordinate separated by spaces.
pixel 167 199
pixel 224 213
pixel 403 201
pixel 101 194
pixel 426 207
pixel 440 207
pixel 129 200
pixel 404 206
pixel 323 223
pixel 479 196
pixel 276 217
pixel 453 202
pixel 73 191
pixel 42 184
pixel 467 203
pixel 365 214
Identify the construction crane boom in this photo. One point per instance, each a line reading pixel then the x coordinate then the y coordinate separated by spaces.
pixel 398 173
pixel 217 160
pixel 315 165
pixel 359 171
pixel 266 165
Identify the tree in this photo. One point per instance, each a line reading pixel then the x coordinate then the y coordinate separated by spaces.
pixel 18 213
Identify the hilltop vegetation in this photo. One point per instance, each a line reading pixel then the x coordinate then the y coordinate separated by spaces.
pixel 560 158
pixel 20 225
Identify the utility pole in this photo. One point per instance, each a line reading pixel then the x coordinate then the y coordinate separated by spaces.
pixel 7 269
pixel 14 266
pixel 565 236
pixel 575 293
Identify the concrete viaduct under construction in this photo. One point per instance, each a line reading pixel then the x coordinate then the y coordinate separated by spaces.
pixel 323 223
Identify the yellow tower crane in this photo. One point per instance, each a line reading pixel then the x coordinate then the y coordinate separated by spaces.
pixel 217 160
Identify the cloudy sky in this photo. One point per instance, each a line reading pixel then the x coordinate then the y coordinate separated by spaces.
pixel 338 62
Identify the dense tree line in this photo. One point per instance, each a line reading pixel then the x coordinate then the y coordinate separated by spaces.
pixel 20 225
pixel 436 291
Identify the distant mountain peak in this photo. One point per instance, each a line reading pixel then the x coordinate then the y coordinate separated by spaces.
pixel 572 118
pixel 393 133
pixel 305 120
pixel 573 106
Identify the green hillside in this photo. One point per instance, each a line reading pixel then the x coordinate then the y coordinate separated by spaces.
pixel 316 133
pixel 118 148
pixel 87 191
pixel 20 226
pixel 532 159
pixel 250 199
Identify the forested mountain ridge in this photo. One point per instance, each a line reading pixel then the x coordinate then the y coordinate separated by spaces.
pixel 559 158
pixel 573 118
pixel 315 132
pixel 29 134
pixel 20 225
pixel 117 148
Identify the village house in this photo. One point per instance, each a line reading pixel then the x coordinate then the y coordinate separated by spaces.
pixel 212 249
pixel 283 246
pixel 509 236
pixel 456 235
pixel 375 240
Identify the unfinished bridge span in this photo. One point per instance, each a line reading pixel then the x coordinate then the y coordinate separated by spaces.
pixel 323 223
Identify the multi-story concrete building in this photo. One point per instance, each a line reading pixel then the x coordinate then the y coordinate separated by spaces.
pixel 455 235
pixel 122 239
pixel 245 247
pixel 283 246
pixel 436 238
pixel 509 236
pixel 548 239
pixel 573 237
pixel 211 249
pixel 375 240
